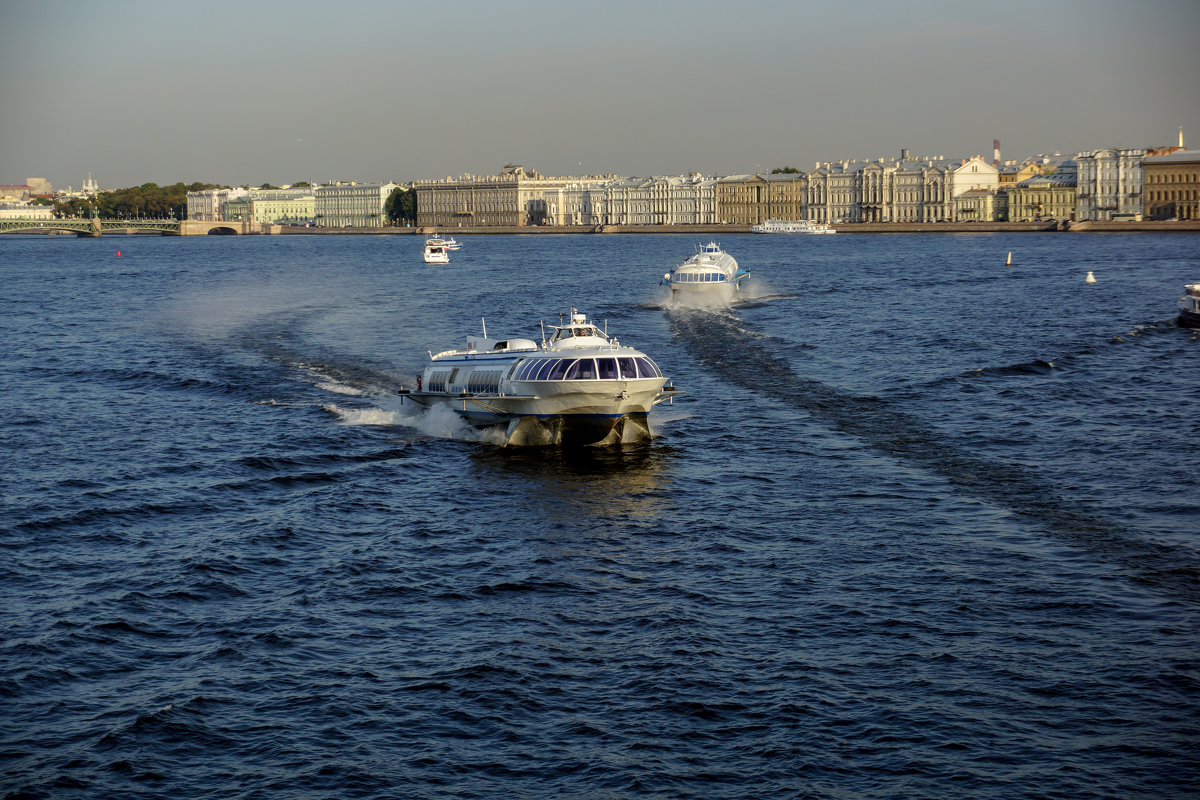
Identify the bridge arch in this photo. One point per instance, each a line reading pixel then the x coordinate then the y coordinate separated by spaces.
pixel 195 227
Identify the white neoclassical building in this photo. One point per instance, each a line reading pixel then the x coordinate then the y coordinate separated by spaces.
pixel 518 198
pixel 352 205
pixel 1109 183
pixel 15 210
pixel 208 205
pixel 514 198
pixel 291 206
pixel 919 191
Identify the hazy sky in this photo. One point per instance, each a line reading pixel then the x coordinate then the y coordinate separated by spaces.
pixel 260 91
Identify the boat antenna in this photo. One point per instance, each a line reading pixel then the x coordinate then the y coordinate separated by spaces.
pixel 484 321
pixel 542 323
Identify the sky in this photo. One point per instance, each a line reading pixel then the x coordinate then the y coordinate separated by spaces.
pixel 270 91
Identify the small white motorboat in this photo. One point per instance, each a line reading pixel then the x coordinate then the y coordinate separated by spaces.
pixel 436 251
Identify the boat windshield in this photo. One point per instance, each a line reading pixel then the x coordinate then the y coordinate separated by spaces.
pixel 577 330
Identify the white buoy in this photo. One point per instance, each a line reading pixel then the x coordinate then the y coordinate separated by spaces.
pixel 1008 263
pixel 1090 278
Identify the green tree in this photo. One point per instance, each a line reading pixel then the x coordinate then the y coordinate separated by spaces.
pixel 785 171
pixel 401 206
pixel 147 200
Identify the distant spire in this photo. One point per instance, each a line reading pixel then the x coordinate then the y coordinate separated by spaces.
pixel 1181 136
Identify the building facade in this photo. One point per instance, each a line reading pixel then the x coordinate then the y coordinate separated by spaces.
pixel 15 210
pixel 1172 185
pixel 751 199
pixel 920 191
pixel 351 205
pixel 1044 197
pixel 514 198
pixel 208 205
pixel 274 207
pixel 1109 184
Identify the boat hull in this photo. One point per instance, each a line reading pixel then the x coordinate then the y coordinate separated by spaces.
pixel 564 412
pixel 1189 319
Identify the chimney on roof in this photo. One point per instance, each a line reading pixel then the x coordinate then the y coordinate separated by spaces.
pixel 995 151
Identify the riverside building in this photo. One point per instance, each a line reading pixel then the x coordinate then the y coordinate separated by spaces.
pixel 290 206
pixel 1043 197
pixel 1172 184
pixel 1109 184
pixel 351 205
pixel 514 198
pixel 751 199
pixel 208 205
pixel 1101 185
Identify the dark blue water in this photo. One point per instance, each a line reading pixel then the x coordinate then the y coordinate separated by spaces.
pixel 922 526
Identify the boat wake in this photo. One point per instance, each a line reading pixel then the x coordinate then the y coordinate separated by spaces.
pixel 433 423
pixel 754 292
pixel 1046 366
pixel 719 341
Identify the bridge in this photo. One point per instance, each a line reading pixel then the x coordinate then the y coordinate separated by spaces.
pixel 93 227
pixel 84 226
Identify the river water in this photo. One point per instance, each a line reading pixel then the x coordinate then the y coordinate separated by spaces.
pixel 922 524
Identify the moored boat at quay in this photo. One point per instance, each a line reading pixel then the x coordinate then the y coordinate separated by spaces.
pixel 1189 306
pixel 579 387
pixel 792 226
pixel 711 276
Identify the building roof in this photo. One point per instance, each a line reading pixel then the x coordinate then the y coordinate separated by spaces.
pixel 1178 155
pixel 1056 179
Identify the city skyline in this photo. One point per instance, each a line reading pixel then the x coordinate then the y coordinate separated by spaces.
pixel 135 92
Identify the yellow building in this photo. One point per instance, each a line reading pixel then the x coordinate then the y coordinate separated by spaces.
pixel 751 199
pixel 1043 197
pixel 1172 185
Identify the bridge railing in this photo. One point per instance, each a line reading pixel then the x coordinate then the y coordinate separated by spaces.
pixel 86 226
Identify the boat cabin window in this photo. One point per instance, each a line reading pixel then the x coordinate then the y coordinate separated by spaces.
pixel 606 369
pixel 647 368
pixel 586 369
pixel 582 370
pixel 484 381
pixel 577 330
pixel 528 367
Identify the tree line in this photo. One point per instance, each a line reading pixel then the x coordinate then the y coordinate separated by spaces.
pixel 161 202
pixel 148 200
